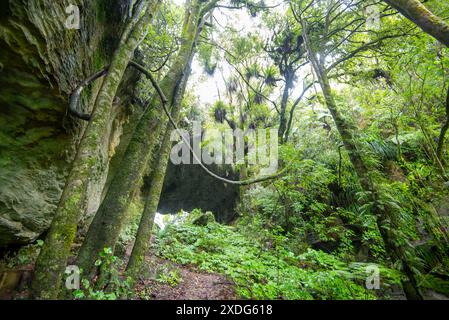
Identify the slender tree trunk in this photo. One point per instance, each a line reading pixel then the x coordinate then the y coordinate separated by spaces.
pixel 415 11
pixel 283 111
pixel 52 260
pixel 441 141
pixel 443 131
pixel 292 111
pixel 384 217
pixel 108 222
pixel 143 236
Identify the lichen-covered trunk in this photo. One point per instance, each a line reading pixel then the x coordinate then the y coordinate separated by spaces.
pixel 441 139
pixel 385 219
pixel 415 11
pixel 153 196
pixel 105 228
pixel 52 260
pixel 443 131
pixel 282 116
pixel 151 202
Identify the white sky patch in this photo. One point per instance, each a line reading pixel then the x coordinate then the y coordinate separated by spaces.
pixel 179 3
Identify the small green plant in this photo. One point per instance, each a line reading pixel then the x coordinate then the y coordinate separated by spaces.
pixel 109 285
pixel 170 277
pixel 145 294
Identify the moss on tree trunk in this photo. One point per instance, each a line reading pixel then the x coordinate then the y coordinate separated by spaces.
pixel 282 117
pixel 417 12
pixel 143 235
pixel 105 228
pixel 443 131
pixel 52 260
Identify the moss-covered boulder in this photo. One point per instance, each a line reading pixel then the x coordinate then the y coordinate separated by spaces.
pixel 199 218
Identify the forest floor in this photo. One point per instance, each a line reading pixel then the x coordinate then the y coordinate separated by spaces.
pixel 189 283
pixel 192 285
pixel 189 263
pixel 162 279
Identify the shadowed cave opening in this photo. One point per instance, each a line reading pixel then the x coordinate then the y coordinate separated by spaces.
pixel 188 187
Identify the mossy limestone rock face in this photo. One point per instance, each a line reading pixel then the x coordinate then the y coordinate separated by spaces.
pixel 41 63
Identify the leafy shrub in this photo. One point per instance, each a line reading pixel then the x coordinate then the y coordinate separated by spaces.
pixel 109 285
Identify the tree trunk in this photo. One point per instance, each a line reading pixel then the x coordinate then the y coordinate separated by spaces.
pixel 443 132
pixel 52 260
pixel 384 217
pixel 143 236
pixel 105 228
pixel 415 11
pixel 283 111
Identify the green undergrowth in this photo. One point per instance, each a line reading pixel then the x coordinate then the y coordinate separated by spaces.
pixel 268 270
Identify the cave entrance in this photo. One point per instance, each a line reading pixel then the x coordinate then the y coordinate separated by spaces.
pixel 187 187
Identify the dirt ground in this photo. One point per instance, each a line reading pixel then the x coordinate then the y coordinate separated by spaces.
pixel 192 284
